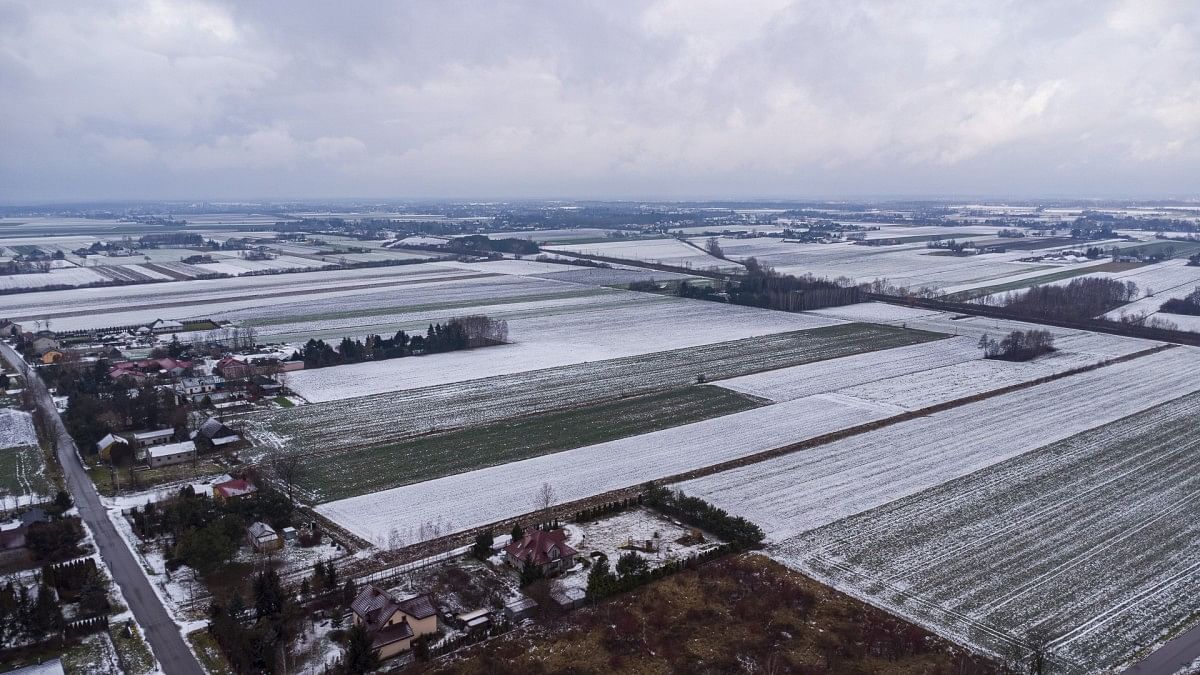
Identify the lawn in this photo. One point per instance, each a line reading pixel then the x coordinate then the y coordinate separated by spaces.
pixel 23 472
pixel 144 478
pixel 351 472
pixel 209 653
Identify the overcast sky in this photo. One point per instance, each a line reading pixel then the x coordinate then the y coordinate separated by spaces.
pixel 670 99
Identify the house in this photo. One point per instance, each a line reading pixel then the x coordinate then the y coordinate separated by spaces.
pixel 172 453
pixel 232 490
pixel 10 329
pixel 165 326
pixel 52 356
pixel 233 369
pixel 263 537
pixel 44 344
pixel 393 624
pixel 145 439
pixel 105 446
pixel 194 389
pixel 213 435
pixel 545 549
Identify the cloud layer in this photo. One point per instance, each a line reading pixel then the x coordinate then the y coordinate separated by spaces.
pixel 670 98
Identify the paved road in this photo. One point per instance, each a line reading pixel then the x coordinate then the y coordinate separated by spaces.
pixel 1171 657
pixel 163 635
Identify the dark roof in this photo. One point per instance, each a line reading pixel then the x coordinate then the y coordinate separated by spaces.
pixel 420 607
pixel 374 607
pixel 212 428
pixel 536 547
pixel 392 633
pixel 34 515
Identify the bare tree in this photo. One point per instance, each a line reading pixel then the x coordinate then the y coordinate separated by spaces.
pixel 286 468
pixel 546 496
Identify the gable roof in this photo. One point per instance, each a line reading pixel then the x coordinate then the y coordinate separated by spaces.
pixel 374 607
pixel 110 440
pixel 259 530
pixel 418 607
pixel 536 547
pixel 234 488
pixel 213 429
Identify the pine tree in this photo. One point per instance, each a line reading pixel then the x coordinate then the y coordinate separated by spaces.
pixel 360 657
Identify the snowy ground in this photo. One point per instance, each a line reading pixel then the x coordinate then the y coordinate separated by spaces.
pixel 659 251
pixel 804 490
pixel 1091 539
pixel 651 324
pixel 100 307
pixel 16 429
pixel 487 495
pixel 612 535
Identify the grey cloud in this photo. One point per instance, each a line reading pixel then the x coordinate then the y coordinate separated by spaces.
pixel 669 98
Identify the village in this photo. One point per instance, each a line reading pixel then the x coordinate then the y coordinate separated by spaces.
pixel 214 532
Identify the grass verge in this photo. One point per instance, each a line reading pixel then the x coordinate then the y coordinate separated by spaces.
pixel 209 653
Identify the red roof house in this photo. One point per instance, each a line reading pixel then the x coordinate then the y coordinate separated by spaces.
pixel 545 549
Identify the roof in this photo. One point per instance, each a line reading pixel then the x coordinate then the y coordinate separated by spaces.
pixel 234 488
pixel 392 633
pixel 171 449
pixel 536 546
pixel 213 429
pixel 156 433
pixel 418 607
pixel 109 440
pixel 374 607
pixel 259 530
pixel 54 667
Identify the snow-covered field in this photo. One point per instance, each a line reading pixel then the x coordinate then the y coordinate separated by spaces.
pixel 1091 540
pixel 486 495
pixel 660 251
pixel 652 324
pixel 786 384
pixel 363 422
pixel 912 265
pixel 67 276
pixel 16 429
pixel 804 490
pixel 123 305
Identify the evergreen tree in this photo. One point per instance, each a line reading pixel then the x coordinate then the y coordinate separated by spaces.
pixel 360 657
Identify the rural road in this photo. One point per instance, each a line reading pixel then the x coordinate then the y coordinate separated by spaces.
pixel 161 632
pixel 1172 657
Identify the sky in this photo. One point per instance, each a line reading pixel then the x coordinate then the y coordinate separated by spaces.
pixel 671 99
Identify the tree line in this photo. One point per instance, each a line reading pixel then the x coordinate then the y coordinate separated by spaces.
pixel 1189 304
pixel 457 334
pixel 1018 345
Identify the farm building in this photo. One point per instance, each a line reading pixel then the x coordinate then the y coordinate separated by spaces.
pixel 145 439
pixel 172 453
pixel 391 623
pixel 263 537
pixel 213 435
pixel 545 549
pixel 232 490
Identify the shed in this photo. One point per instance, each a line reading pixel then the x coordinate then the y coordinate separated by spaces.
pixel 144 439
pixel 569 598
pixel 289 533
pixel 263 537
pixel 520 609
